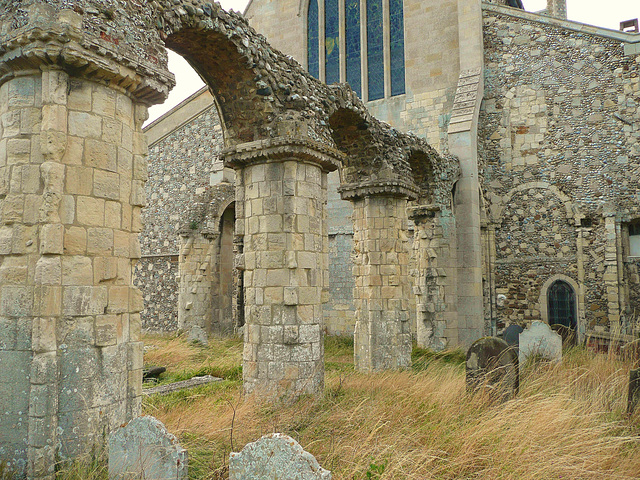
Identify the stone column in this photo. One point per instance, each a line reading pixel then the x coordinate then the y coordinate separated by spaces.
pixel 196 266
pixel 281 195
pixel 72 172
pixel 381 265
pixel 432 283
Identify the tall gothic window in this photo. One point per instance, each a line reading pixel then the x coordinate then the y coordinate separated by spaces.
pixel 359 45
pixel 313 52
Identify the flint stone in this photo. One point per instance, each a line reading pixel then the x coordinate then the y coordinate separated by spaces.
pixel 275 456
pixel 492 364
pixel 540 340
pixel 144 449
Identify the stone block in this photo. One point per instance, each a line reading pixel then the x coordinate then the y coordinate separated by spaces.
pixel 275 456
pixel 106 185
pixel 48 271
pixel 100 155
pixel 16 301
pixel 75 241
pixel 78 300
pixel 144 449
pixel 51 239
pixel 539 341
pixel 77 270
pixel 90 211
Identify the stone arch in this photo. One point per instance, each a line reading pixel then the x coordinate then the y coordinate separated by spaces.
pixel 579 299
pixel 498 207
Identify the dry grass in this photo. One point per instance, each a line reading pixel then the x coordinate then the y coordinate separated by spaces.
pixel 568 421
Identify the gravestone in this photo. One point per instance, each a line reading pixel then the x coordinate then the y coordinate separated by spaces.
pixel 275 456
pixel 144 449
pixel 511 335
pixel 539 340
pixel 634 391
pixel 492 364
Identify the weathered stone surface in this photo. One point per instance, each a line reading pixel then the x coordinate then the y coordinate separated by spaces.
pixel 539 341
pixel 144 449
pixel 492 364
pixel 275 456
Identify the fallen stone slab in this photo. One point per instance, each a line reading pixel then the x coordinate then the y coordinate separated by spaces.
pixel 184 384
pixel 144 449
pixel 275 456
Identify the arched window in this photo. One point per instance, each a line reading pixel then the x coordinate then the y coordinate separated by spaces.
pixel 363 44
pixel 561 304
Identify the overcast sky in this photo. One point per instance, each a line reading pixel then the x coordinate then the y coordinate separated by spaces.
pixel 607 14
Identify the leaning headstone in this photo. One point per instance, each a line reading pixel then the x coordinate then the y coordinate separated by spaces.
pixel 144 449
pixel 634 391
pixel 197 334
pixel 540 341
pixel 275 456
pixel 492 364
pixel 511 335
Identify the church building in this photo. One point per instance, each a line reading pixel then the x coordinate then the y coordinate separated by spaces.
pixel 543 222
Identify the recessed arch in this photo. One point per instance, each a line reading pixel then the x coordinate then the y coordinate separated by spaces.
pixel 556 284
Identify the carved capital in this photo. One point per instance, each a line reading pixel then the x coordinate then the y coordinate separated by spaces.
pixel 281 149
pixel 389 188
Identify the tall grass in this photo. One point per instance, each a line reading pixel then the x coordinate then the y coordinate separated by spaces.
pixel 568 421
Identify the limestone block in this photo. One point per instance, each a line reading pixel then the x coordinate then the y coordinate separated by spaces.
pixel 90 211
pixel 77 270
pixel 16 301
pixel 81 300
pixel 540 341
pixel 75 241
pixel 48 271
pixel 273 457
pixel 144 449
pixel 106 185
pixel 44 335
pixel 100 155
pixel 51 239
pixel 99 241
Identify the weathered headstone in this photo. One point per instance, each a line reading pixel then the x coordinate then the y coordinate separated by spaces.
pixel 634 391
pixel 539 340
pixel 144 449
pixel 275 456
pixel 493 364
pixel 511 335
pixel 197 334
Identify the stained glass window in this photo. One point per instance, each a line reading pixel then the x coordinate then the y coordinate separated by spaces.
pixel 562 304
pixel 313 56
pixel 332 41
pixel 375 50
pixel 397 46
pixel 352 32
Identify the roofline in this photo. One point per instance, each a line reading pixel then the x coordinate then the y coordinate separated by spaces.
pixel 624 37
pixel 175 109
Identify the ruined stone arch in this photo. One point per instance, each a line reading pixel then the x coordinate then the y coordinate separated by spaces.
pixel 497 208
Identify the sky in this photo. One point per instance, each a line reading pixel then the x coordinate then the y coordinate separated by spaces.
pixel 606 14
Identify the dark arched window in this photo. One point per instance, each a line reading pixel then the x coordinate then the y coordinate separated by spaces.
pixel 346 21
pixel 313 54
pixel 561 302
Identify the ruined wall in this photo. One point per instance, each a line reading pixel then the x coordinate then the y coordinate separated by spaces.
pixel 183 161
pixel 560 152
